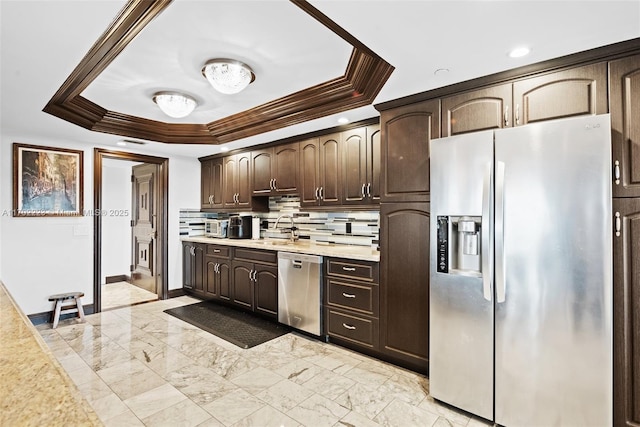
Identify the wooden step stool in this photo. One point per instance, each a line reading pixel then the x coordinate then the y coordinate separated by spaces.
pixel 75 307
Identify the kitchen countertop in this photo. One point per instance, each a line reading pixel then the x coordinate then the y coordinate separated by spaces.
pixel 362 253
pixel 34 389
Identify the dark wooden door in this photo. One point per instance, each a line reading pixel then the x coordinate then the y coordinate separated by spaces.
pixel 406 133
pixel 574 92
pixel 143 226
pixel 187 265
pixel 206 173
pixel 230 182
pixel 624 101
pixel 242 280
pixel 224 279
pixel 198 268
pixel 211 277
pixel 243 164
pixel 330 170
pixel 404 287
pixel 266 290
pixel 354 166
pixel 261 172
pixel 286 168
pixel 626 313
pixel 374 157
pixel 482 109
pixel 309 172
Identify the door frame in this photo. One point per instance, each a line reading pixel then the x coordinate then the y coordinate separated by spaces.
pixel 162 253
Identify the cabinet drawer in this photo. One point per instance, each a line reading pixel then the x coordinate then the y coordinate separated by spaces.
pixel 357 329
pixel 269 257
pixel 218 251
pixel 360 270
pixel 357 296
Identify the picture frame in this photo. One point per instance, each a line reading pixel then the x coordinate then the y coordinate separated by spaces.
pixel 47 181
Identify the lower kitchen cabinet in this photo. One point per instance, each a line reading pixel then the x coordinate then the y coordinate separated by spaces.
pixel 404 285
pixel 626 312
pixel 265 291
pixel 255 281
pixel 217 272
pixel 193 267
pixel 352 304
pixel 242 287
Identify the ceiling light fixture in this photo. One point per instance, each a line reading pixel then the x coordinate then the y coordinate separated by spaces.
pixel 343 120
pixel 228 76
pixel 224 149
pixel 519 52
pixel 175 104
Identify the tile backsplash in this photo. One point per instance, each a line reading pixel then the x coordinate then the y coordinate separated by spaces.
pixel 360 228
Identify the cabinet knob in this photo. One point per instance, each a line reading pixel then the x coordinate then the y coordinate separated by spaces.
pixel 346 295
pixel 369 189
pixel 321 193
pixel 506 115
pixel 618 224
pixel 364 194
pixel 317 193
pixel 349 268
pixel 616 172
pixel 350 327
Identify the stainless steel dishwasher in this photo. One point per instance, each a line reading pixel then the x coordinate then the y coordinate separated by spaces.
pixel 299 295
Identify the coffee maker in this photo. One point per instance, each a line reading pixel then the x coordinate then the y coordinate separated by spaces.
pixel 239 227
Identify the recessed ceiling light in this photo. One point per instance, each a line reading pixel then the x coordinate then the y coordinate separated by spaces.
pixel 343 120
pixel 224 149
pixel 121 143
pixel 519 52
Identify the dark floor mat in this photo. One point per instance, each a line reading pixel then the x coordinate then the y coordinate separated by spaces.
pixel 243 329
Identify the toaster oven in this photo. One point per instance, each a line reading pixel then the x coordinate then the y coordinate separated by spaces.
pixel 216 228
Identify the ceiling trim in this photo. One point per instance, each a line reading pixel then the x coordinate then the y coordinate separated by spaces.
pixel 365 75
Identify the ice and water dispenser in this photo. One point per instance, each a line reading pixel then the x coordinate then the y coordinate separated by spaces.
pixel 459 245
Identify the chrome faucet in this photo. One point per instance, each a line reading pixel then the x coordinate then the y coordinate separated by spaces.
pixel 294 229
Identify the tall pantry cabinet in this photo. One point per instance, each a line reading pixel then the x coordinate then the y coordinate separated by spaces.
pixel 624 106
pixel 404 232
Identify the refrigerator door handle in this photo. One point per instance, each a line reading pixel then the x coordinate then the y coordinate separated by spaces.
pixel 487 250
pixel 501 265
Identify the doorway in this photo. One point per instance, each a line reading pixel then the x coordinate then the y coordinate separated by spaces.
pixel 143 243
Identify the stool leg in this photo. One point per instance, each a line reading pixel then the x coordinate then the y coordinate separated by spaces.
pixel 80 309
pixel 56 313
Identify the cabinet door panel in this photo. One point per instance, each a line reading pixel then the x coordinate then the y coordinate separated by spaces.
pixel 626 314
pixel 477 110
pixel 211 278
pixel 286 162
pixel 374 157
pixel 578 91
pixel 215 187
pixel 309 172
pixel 198 268
pixel 404 287
pixel 354 160
pixel 187 266
pixel 230 182
pixel 261 171
pixel 624 100
pixel 224 280
pixel 242 284
pixel 266 290
pixel 206 171
pixel 330 176
pixel 243 162
pixel 406 132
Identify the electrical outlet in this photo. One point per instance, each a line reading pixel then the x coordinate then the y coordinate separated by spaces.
pixel 348 228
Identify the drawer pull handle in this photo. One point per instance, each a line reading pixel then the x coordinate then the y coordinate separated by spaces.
pixel 348 326
pixel 216 251
pixel 349 268
pixel 346 295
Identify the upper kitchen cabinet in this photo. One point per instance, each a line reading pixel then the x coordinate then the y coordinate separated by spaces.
pixel 624 93
pixel 573 92
pixel 211 184
pixel 626 312
pixel 320 178
pixel 237 193
pixel 275 170
pixel 482 109
pixel 406 133
pixel 361 166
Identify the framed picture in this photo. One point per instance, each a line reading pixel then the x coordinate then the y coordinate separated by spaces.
pixel 47 181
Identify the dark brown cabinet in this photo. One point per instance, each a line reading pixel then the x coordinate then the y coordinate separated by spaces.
pixel 193 267
pixel 320 177
pixel 237 181
pixel 242 290
pixel 624 93
pixel 404 285
pixel 482 109
pixel 361 166
pixel 211 184
pixel 352 303
pixel 266 290
pixel 255 281
pixel 626 312
pixel 217 273
pixel 275 170
pixel 406 133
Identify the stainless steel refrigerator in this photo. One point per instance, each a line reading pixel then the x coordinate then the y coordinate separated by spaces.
pixel 521 273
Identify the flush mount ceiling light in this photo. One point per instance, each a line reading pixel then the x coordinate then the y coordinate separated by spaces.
pixel 228 76
pixel 175 104
pixel 519 52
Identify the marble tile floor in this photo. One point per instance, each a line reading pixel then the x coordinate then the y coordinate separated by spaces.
pixel 138 366
pixel 123 294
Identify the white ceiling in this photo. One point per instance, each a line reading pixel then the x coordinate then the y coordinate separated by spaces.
pixel 42 42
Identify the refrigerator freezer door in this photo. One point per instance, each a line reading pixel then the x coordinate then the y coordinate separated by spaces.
pixel 461 319
pixel 553 331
